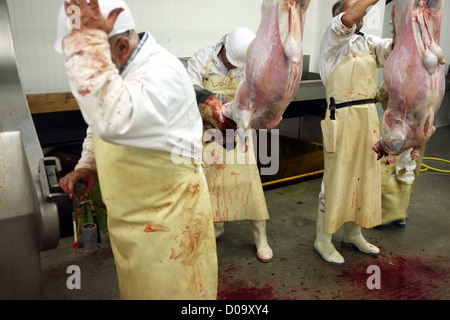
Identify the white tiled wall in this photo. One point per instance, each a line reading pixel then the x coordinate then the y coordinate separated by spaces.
pixel 181 26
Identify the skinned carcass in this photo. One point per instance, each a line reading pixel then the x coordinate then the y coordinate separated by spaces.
pixel 414 78
pixel 274 65
pixel 273 70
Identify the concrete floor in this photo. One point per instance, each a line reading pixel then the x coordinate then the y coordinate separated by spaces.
pixel 414 262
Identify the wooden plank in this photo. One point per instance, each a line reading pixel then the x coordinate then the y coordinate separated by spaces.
pixel 51 102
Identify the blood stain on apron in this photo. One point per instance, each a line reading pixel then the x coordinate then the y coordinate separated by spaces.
pixel 156 228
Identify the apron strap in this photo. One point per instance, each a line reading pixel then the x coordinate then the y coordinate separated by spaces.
pixel 351 103
pixel 208 69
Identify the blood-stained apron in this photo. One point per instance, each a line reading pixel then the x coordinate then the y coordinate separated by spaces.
pixel 226 85
pixel 395 196
pixel 235 188
pixel 352 172
pixel 159 222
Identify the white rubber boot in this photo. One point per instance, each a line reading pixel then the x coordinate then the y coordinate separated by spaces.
pixel 323 245
pixel 263 250
pixel 353 237
pixel 218 229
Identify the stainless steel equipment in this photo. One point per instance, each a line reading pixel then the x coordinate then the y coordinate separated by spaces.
pixel 29 220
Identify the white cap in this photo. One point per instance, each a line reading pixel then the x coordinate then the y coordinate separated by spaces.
pixel 237 43
pixel 124 22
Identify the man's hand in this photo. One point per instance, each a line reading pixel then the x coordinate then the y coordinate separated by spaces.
pixel 69 182
pixel 92 17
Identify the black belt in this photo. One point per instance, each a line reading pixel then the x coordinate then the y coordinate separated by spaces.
pixel 334 106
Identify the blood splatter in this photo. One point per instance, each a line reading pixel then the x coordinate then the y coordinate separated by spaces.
pixel 401 278
pixel 248 293
pixel 84 92
pixel 155 228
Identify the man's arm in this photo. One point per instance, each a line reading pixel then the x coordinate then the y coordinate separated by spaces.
pixel 85 171
pixel 87 160
pixel 196 66
pixel 357 12
pixel 382 47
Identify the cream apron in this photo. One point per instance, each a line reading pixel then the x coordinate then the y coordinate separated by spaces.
pixel 235 189
pixel 395 194
pixel 159 222
pixel 226 85
pixel 352 172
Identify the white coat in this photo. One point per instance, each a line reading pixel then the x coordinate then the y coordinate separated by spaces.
pixel 159 212
pixel 339 41
pixel 197 66
pixel 150 115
